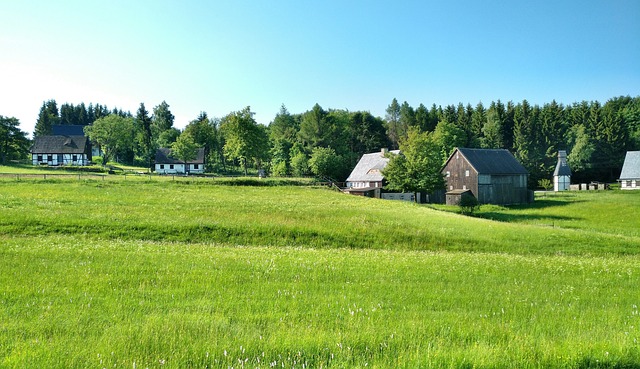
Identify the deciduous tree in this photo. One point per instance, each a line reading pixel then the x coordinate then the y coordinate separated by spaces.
pixel 114 134
pixel 13 141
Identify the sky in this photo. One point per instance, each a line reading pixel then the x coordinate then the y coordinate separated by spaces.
pixel 221 56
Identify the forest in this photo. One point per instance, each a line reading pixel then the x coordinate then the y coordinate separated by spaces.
pixel 329 142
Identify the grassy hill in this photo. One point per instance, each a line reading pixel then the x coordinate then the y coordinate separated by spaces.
pixel 192 274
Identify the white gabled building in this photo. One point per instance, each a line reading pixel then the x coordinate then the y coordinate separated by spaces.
pixel 630 175
pixel 366 178
pixel 166 164
pixel 562 174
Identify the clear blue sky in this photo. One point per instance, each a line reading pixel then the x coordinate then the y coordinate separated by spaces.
pixel 220 56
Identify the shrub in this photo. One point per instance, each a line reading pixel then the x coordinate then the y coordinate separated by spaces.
pixel 468 203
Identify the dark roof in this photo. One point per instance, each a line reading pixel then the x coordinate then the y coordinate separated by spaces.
pixel 631 166
pixel 370 166
pixel 562 167
pixel 491 161
pixel 163 156
pixel 67 130
pixel 60 144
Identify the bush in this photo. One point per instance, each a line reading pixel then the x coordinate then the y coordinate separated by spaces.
pixel 468 203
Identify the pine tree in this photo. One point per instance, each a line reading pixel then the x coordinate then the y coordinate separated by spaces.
pixel 47 118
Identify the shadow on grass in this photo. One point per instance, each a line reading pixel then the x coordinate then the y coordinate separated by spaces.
pixel 517 218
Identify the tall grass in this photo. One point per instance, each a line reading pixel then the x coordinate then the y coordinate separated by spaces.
pixel 71 301
pixel 191 274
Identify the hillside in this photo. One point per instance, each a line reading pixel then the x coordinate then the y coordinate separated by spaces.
pixel 193 274
pixel 311 217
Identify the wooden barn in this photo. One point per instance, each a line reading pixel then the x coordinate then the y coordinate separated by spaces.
pixel 493 176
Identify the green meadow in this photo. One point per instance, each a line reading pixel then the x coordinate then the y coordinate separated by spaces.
pixel 219 274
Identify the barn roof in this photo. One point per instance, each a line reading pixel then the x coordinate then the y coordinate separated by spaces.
pixel 369 168
pixel 59 144
pixel 491 161
pixel 67 130
pixel 631 166
pixel 163 156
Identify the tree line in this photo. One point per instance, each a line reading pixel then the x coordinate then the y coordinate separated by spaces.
pixel 329 142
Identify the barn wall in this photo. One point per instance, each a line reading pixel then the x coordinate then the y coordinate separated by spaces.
pixel 460 175
pixel 504 190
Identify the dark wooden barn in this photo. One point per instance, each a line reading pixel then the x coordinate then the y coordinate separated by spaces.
pixel 493 176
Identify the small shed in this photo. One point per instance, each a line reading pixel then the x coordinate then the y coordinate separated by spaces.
pixel 454 196
pixel 562 173
pixel 630 175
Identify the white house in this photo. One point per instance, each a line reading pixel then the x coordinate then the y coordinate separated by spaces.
pixel 61 150
pixel 167 164
pixel 562 174
pixel 630 175
pixel 368 171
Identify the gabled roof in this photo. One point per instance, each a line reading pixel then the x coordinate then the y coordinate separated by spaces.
pixel 369 168
pixel 491 161
pixel 631 166
pixel 67 130
pixel 163 156
pixel 60 144
pixel 562 167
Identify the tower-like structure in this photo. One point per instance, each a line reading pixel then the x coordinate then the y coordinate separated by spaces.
pixel 562 174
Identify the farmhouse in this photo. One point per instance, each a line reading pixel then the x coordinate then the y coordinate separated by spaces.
pixel 366 178
pixel 562 173
pixel 61 150
pixel 167 164
pixel 493 176
pixel 630 175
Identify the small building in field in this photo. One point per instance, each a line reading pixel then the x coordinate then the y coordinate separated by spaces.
pixel 493 176
pixel 562 173
pixel 366 178
pixel 58 150
pixel 630 175
pixel 167 164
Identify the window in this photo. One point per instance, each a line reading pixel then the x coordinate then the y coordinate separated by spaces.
pixel 629 183
pixel 49 157
pixel 466 173
pixel 39 157
pixel 75 158
pixel 450 188
pixel 195 166
pixel 464 187
pixel 170 166
pixel 161 166
pixel 448 174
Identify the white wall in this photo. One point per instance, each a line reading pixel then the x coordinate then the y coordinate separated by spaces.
pixel 178 168
pixel 561 183
pixel 67 159
pixel 634 185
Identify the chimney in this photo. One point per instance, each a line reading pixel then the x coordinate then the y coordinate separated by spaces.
pixel 562 155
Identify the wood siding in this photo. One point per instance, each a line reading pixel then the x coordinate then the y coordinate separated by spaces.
pixel 460 175
pixel 488 188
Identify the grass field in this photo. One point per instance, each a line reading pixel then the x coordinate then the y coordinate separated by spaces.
pixel 190 274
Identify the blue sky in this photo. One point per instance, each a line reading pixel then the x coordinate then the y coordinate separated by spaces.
pixel 221 56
